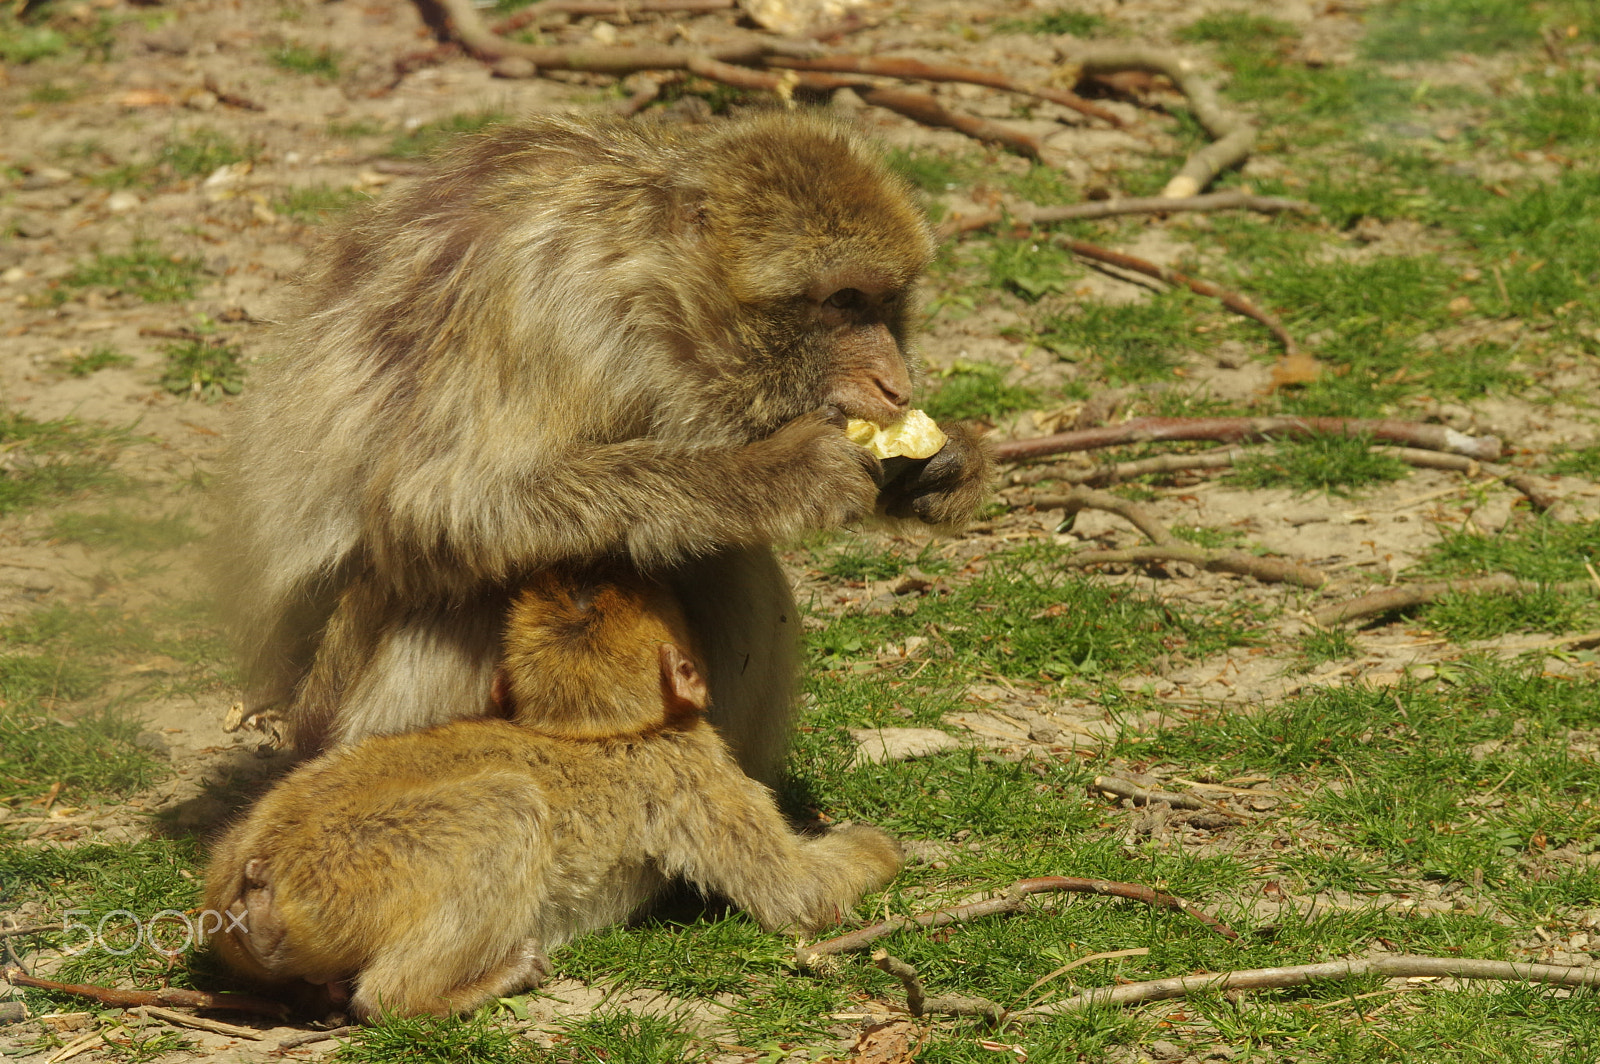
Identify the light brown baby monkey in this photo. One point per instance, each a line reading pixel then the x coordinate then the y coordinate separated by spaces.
pixel 436 869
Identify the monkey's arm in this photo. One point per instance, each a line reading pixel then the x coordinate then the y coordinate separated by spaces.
pixel 657 502
pixel 944 490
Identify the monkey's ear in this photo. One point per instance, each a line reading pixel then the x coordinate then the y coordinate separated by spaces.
pixel 681 681
pixel 500 695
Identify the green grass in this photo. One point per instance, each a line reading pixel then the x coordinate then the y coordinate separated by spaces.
pixel 1077 23
pixel 1136 341
pixel 1538 549
pixel 123 531
pixel 974 392
pixel 1338 465
pixel 321 62
pixel 430 137
pixel 25 42
pixel 144 271
pixel 203 369
pixel 316 204
pixel 432 1040
pixel 1321 645
pixel 1239 30
pixel 202 152
pixel 98 358
pixel 1577 461
pixel 41 461
pixel 1435 29
pixel 1031 269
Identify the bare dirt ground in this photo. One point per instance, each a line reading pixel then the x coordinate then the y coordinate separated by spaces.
pixel 179 71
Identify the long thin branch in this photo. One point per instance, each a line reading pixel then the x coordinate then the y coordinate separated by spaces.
pixel 1234 301
pixel 900 67
pixel 1029 214
pixel 1407 595
pixel 194 999
pixel 1010 900
pixel 1266 570
pixel 1234 133
pixel 622 9
pixel 1144 796
pixel 1398 966
pixel 1241 429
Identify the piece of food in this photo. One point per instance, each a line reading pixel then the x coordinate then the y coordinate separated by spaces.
pixel 913 436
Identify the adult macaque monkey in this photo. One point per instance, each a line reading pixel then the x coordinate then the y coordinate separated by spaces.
pixel 579 338
pixel 432 871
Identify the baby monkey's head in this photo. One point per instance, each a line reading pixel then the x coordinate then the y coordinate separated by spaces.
pixel 598 651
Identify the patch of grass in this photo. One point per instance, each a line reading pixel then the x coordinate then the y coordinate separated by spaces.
pixel 1577 461
pixel 313 204
pixel 203 369
pixel 1333 464
pixel 354 128
pixel 1561 111
pixel 202 152
pixel 1238 29
pixel 933 172
pixel 1464 617
pixel 144 270
pixel 1545 242
pixel 1040 184
pixel 123 531
pixel 322 62
pixel 1028 268
pixel 24 42
pixel 45 460
pixel 1131 341
pixel 1321 645
pixel 98 358
pixel 1077 23
pixel 1541 550
pixel 430 137
pixel 849 558
pixel 620 1037
pixel 976 392
pixel 53 92
pixel 437 1040
pixel 1210 538
pixel 1433 29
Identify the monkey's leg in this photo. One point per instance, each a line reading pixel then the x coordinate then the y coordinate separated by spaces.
pixel 726 834
pixel 411 981
pixel 748 630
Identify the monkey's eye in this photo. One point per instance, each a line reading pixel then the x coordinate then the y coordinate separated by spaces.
pixel 852 300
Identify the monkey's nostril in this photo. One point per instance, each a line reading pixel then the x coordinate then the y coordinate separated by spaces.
pixel 892 393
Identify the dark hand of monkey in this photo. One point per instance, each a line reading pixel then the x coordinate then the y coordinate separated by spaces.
pixel 944 490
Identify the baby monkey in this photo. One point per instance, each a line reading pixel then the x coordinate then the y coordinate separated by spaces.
pixel 436 869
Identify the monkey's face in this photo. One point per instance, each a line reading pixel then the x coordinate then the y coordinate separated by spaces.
pixel 820 249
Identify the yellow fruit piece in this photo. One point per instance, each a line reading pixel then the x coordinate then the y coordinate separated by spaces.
pixel 913 436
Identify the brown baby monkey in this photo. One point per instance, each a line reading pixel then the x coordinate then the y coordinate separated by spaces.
pixel 435 870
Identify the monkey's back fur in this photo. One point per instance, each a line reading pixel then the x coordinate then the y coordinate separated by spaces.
pixel 438 868
pixel 579 338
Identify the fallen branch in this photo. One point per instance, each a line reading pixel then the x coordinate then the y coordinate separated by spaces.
pixel 1028 214
pixel 919 1004
pixel 1144 796
pixel 1398 966
pixel 1242 429
pixel 193 999
pixel 899 67
pixel 1010 900
pixel 622 10
pixel 199 1023
pixel 462 24
pixel 1168 548
pixel 311 1037
pixel 1233 131
pixel 1234 301
pixel 1406 596
pixel 1539 495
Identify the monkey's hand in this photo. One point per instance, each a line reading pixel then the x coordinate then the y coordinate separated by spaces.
pixel 944 490
pixel 814 476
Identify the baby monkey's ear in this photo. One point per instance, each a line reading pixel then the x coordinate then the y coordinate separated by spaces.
pixel 500 695
pixel 683 686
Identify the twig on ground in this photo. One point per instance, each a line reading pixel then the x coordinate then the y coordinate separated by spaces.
pixel 463 25
pixel 31 929
pixel 1029 214
pixel 1233 131
pixel 919 1004
pixel 618 9
pixel 199 1023
pixel 1144 796
pixel 193 999
pixel 1234 301
pixel 310 1037
pixel 917 69
pixel 231 99
pixel 1168 548
pixel 1242 429
pixel 1539 495
pixel 1010 900
pixel 1398 966
pixel 1404 597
